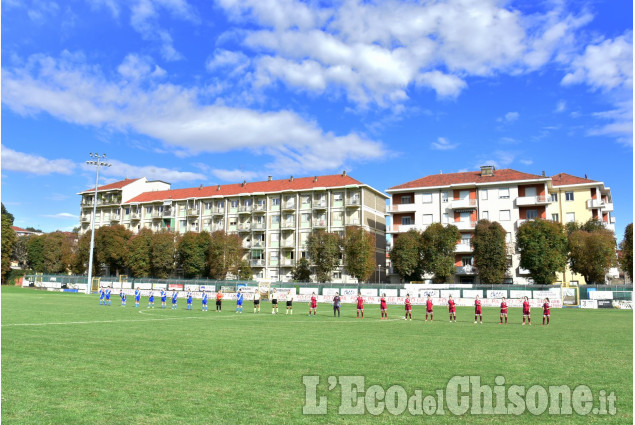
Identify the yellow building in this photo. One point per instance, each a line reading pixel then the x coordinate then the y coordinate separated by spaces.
pixel 577 199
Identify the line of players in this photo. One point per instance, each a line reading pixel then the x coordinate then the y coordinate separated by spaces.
pixel 105 293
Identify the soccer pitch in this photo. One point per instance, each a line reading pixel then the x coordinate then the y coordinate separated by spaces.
pixel 68 360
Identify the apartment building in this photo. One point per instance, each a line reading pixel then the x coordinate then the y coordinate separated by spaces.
pixel 579 199
pixel 274 217
pixel 507 196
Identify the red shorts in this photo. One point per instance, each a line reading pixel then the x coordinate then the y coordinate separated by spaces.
pixel 526 313
pixel 546 313
pixel 408 308
pixel 477 311
pixel 383 307
pixel 429 311
pixel 452 310
pixel 503 311
pixel 313 305
pixel 360 307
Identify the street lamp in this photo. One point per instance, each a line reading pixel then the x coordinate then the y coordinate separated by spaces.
pixel 98 161
pixel 379 273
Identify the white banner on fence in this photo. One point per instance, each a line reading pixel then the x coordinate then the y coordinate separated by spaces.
pixel 456 293
pixel 600 295
pixel 623 304
pixel 431 292
pixel 467 293
pixel 519 294
pixel 211 288
pixel 329 292
pixel 588 304
pixel 551 294
pixel 497 293
pixel 349 292
pixel 308 291
pixel 193 288
pixel 389 292
pixel 369 292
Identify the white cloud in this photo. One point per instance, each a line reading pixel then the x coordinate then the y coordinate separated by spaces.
pixel 33 164
pixel 238 61
pixel 62 215
pixel 135 67
pixel 121 170
pixel 235 175
pixel 509 117
pixel 443 144
pixel 377 51
pixel 75 92
pixel 561 106
pixel 526 161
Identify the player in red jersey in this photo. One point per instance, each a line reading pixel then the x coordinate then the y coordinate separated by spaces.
pixel 503 311
pixel 429 309
pixel 313 304
pixel 452 308
pixel 526 311
pixel 408 307
pixel 477 310
pixel 383 307
pixel 360 305
pixel 545 311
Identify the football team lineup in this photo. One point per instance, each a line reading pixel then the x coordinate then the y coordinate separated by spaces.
pixel 105 295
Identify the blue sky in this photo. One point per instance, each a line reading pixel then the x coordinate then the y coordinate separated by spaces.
pixel 221 91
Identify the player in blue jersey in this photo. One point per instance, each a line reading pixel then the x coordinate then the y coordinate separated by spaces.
pixel 137 297
pixel 102 294
pixel 239 301
pixel 163 298
pixel 151 299
pixel 107 295
pixel 204 301
pixel 189 300
pixel 123 298
pixel 175 295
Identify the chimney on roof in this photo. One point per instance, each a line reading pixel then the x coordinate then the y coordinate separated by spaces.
pixel 200 188
pixel 543 173
pixel 487 170
pixel 585 176
pixel 314 179
pixel 344 173
pixel 218 187
pixel 440 171
pixel 243 183
pixel 291 178
pixel 269 178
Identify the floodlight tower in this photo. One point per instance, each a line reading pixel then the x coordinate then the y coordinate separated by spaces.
pixel 98 161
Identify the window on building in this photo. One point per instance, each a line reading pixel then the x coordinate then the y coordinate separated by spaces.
pixel 427 219
pixel 426 198
pixel 306 199
pixel 555 217
pixel 275 219
pixel 503 193
pixel 275 201
pixel 568 196
pixel 466 261
pixel 233 221
pixel 306 217
pixel 554 197
pixel 446 218
pixel 148 210
pixel 275 237
pixel 504 215
pixel 532 214
pixel 508 237
pixel 406 221
pixel 571 217
pixel 406 199
pixel 485 215
pixel 220 204
pixel 337 197
pixel 444 196
pixel 234 203
pixel 483 194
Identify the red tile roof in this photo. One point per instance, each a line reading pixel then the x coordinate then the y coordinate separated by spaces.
pixel 115 185
pixel 302 183
pixel 19 229
pixel 564 179
pixel 469 177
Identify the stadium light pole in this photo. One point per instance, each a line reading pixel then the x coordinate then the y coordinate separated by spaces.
pixel 99 161
pixel 379 273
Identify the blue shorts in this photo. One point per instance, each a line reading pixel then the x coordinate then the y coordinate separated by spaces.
pixel 151 299
pixel 163 299
pixel 137 298
pixel 239 303
pixel 204 302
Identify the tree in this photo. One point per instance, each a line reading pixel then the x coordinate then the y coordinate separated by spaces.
pixel 8 214
pixel 302 271
pixel 35 253
pixel 359 253
pixel 57 253
pixel 20 251
pixel 191 255
pixel 225 254
pixel 244 270
pixel 626 251
pixel 406 256
pixel 490 253
pixel 438 243
pixel 325 250
pixel 162 254
pixel 81 256
pixel 139 260
pixel 591 254
pixel 111 243
pixel 8 239
pixel 543 249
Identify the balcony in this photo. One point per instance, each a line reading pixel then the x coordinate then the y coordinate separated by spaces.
pixel 245 209
pixel 289 205
pixel 609 226
pixel 523 201
pixel 217 227
pixel 353 202
pixel 135 216
pixel 287 262
pixel 244 227
pixel 352 222
pixel 462 203
pixel 167 212
pixel 465 225
pixel 608 207
pixel 319 205
pixel 287 243
pixel 109 201
pixel 115 218
pixel 288 224
pixel 257 262
pixel 246 244
pixel 594 203
pixel 319 223
pixel 463 248
pixel 259 209
pixel 397 208
pixel 258 227
pixel 85 219
pixel 466 270
pixel 192 212
pixel 218 211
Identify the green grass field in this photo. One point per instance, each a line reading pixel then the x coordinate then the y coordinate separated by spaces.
pixel 67 360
